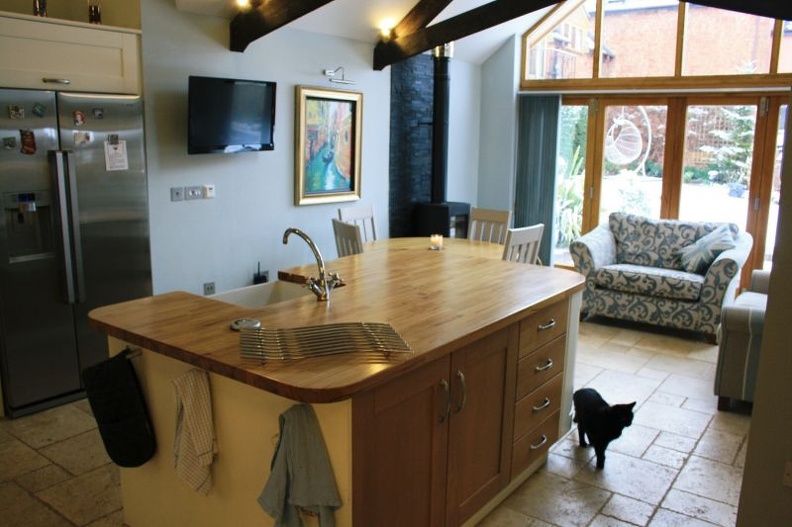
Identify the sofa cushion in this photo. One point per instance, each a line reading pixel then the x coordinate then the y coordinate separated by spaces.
pixel 649 281
pixel 656 242
pixel 699 255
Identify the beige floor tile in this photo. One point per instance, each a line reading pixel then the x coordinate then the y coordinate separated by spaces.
pixel 43 478
pixel 617 387
pixel 4 436
pixel 651 373
pixel 675 420
pixel 79 454
pixel 634 440
pixel 705 354
pixel 701 508
pixel 558 500
pixel 681 366
pixel 17 459
pixel 20 509
pixel 86 498
pixel 708 406
pixel 627 509
pixel 608 358
pixel 584 373
pixel 688 387
pixel 676 442
pixel 631 477
pixel 667 518
pixel 564 466
pixel 710 479
pixel 665 456
pixel 668 399
pixel 48 427
pixel 606 521
pixel 734 423
pixel 505 517
pixel 113 520
pixel 718 445
pixel 570 448
pixel 666 343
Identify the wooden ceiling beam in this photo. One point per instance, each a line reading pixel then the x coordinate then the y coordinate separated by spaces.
pixel 478 19
pixel 250 25
pixel 420 16
pixel 781 9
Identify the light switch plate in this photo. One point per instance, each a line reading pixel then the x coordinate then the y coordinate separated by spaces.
pixel 193 192
pixel 177 193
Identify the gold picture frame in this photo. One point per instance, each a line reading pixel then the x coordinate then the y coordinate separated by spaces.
pixel 328 133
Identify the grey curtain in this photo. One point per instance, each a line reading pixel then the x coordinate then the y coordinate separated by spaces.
pixel 537 150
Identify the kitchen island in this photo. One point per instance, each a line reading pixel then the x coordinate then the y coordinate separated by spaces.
pixel 433 438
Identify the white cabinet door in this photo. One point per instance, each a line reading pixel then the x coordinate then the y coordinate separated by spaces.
pixel 68 56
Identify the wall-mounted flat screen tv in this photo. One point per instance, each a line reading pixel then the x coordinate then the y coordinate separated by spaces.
pixel 230 115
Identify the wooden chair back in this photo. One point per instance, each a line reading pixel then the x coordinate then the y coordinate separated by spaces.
pixel 489 225
pixel 522 245
pixel 363 217
pixel 347 237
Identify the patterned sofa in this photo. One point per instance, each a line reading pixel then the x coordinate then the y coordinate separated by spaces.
pixel 669 273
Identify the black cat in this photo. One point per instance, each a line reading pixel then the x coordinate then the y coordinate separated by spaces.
pixel 598 420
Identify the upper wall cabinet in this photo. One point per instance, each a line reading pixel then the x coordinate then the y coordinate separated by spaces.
pixel 68 56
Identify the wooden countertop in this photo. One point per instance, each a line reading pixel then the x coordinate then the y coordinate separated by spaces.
pixel 437 300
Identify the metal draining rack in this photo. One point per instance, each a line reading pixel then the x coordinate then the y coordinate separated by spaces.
pixel 369 341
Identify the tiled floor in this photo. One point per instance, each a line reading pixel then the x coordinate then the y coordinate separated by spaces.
pixel 679 464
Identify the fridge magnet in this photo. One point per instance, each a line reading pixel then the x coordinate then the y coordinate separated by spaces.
pixel 15 111
pixel 39 110
pixel 82 138
pixel 97 113
pixel 9 143
pixel 28 142
pixel 112 139
pixel 78 117
pixel 116 155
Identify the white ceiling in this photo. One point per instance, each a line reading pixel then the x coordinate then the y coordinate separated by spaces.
pixel 360 20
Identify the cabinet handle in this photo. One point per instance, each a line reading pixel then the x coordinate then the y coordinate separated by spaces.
pixel 542 406
pixel 447 390
pixel 547 366
pixel 51 80
pixel 463 397
pixel 549 325
pixel 540 444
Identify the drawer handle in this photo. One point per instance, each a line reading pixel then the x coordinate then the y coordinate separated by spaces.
pixel 549 325
pixel 542 406
pixel 463 397
pixel 51 80
pixel 447 390
pixel 547 366
pixel 540 444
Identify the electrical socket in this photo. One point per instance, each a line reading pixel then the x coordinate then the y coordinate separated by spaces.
pixel 208 191
pixel 209 288
pixel 195 192
pixel 177 193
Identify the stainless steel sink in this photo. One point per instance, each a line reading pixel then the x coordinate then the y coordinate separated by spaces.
pixel 261 295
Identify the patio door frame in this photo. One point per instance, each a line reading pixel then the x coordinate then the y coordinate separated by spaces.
pixel 764 151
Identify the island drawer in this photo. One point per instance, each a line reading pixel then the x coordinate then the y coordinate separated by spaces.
pixel 534 407
pixel 538 367
pixel 543 326
pixel 532 446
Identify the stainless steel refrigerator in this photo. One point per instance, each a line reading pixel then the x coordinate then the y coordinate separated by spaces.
pixel 74 235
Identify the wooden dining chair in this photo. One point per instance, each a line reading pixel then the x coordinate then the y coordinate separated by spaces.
pixel 347 237
pixel 363 217
pixel 489 225
pixel 522 244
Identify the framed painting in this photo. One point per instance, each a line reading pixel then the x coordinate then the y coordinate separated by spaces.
pixel 327 145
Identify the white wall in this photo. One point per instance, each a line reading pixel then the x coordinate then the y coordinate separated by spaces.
pixel 463 131
pixel 497 157
pixel 222 240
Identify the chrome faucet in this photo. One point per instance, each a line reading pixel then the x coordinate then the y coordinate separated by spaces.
pixel 319 286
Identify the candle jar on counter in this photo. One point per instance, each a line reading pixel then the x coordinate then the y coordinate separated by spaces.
pixel 94 12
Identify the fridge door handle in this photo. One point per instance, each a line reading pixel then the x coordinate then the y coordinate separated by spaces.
pixel 74 214
pixel 63 223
